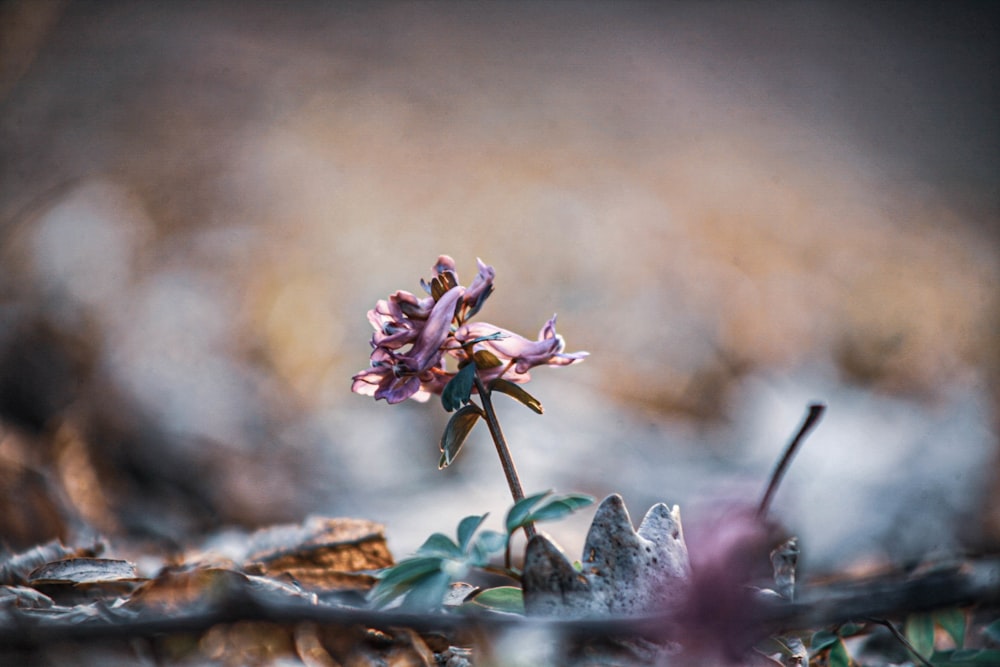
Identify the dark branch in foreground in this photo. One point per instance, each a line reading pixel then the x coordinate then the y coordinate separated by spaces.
pixel 973 583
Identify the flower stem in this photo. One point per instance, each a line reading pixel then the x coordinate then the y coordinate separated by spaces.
pixel 503 451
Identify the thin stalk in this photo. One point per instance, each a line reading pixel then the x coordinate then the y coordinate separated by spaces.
pixel 503 451
pixel 509 572
pixel 812 418
pixel 901 638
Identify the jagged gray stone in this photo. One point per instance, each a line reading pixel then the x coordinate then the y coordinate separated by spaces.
pixel 623 571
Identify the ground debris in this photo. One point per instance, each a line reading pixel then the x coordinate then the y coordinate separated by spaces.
pixel 235 611
pixel 322 553
pixel 18 568
pixel 207 607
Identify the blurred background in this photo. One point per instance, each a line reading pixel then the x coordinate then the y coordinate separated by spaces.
pixel 737 208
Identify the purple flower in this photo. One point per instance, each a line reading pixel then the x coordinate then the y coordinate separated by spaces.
pixel 411 306
pixel 426 351
pixel 388 378
pixel 444 264
pixel 519 353
pixel 479 290
pixel 393 329
pixel 396 376
pixel 413 335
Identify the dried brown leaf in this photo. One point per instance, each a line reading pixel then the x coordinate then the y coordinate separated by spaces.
pixel 16 569
pixel 249 643
pixel 309 647
pixel 174 590
pixel 410 650
pixel 23 597
pixel 83 571
pixel 322 553
pixel 70 581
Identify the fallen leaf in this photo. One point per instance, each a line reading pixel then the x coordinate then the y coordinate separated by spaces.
pixel 83 571
pixel 72 580
pixel 23 598
pixel 181 589
pixel 16 569
pixel 309 647
pixel 322 553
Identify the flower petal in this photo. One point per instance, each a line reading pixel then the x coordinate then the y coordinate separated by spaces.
pixel 444 263
pixel 398 389
pixel 480 289
pixel 361 384
pixel 411 306
pixel 426 351
pixel 526 354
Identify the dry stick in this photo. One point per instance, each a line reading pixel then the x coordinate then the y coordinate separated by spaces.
pixel 901 638
pixel 812 418
pixel 976 582
pixel 502 450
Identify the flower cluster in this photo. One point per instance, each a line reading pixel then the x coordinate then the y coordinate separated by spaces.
pixel 414 336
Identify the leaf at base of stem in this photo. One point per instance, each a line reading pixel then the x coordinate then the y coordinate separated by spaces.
pixel 456 433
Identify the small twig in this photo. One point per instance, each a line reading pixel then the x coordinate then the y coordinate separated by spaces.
pixel 812 418
pixel 506 461
pixel 901 638
pixel 509 572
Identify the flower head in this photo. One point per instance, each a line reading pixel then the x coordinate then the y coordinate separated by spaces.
pixel 413 335
pixel 518 354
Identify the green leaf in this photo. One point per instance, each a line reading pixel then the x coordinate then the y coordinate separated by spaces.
pixel 966 658
pixel 993 631
pixel 557 507
pixel 541 507
pixel 456 432
pixel 485 359
pixel 987 657
pixel 488 543
pixel 517 516
pixel 427 593
pixel 958 655
pixel 395 580
pixel 466 529
pixel 823 639
pixel 576 500
pixel 850 629
pixel 919 631
pixel 439 544
pixel 408 569
pixel 953 622
pixel 517 393
pixel 839 657
pixel 458 391
pixel 507 599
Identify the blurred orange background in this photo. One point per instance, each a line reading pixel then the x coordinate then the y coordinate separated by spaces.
pixel 737 208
